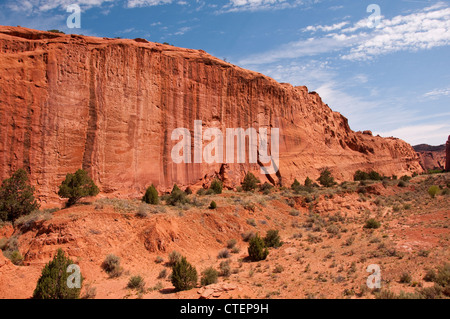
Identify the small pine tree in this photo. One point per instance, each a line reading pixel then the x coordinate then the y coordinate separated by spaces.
pixel 184 275
pixel 272 239
pixel 77 186
pixel 177 196
pixel 16 197
pixel 296 185
pixel 256 249
pixel 308 182
pixel 216 186
pixel 151 196
pixel 213 205
pixel 250 182
pixel 326 179
pixel 53 281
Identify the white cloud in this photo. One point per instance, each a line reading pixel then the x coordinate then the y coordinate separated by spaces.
pixel 434 134
pixel 33 6
pixel 421 30
pixel 437 93
pixel 146 3
pixel 259 5
pixel 326 28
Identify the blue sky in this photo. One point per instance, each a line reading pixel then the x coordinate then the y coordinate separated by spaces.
pixel 391 77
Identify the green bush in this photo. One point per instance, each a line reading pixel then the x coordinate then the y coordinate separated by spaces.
pixel 188 190
pixel 272 239
pixel 216 186
pixel 111 265
pixel 136 282
pixel 401 183
pixel 184 275
pixel 77 186
pixel 177 197
pixel 308 182
pixel 16 197
pixel 250 182
pixel 433 191
pixel 375 176
pixel 257 250
pixel 209 276
pixel 360 176
pixel 405 178
pixel 372 224
pixel 266 188
pixel 212 205
pixel 326 179
pixel 296 185
pixel 16 257
pixel 174 257
pixel 151 196
pixel 53 281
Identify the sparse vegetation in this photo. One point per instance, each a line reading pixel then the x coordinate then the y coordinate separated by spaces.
pixel 209 276
pixel 433 191
pixel 272 239
pixel 372 224
pixel 111 265
pixel 326 179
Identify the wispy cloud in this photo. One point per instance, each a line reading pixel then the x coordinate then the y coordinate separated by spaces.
pixel 419 134
pixel 261 5
pixel 438 93
pixel 420 30
pixel 146 3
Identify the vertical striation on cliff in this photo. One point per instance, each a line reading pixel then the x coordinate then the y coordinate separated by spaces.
pixel 110 105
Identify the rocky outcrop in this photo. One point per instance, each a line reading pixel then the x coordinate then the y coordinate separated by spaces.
pixel 110 105
pixel 431 157
pixel 447 154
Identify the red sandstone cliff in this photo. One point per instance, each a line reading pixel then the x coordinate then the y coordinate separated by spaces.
pixel 110 105
pixel 431 157
pixel 447 155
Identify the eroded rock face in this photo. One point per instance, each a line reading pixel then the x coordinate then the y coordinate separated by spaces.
pixel 431 157
pixel 110 105
pixel 447 154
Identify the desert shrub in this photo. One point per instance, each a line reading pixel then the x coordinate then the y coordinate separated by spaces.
pixel 28 222
pixel 224 253
pixel 401 183
pixel 216 186
pixel 433 191
pixel 151 196
pixel 231 243
pixel 445 191
pixel 296 186
pixel 257 250
pixel 162 274
pixel 77 186
pixel 372 224
pixel 266 188
pixel 308 182
pixel 188 190
pixel 430 275
pixel 250 182
pixel 443 276
pixel 247 236
pixel 209 276
pixel 360 176
pixel 272 239
pixel 201 192
pixel 177 197
pixel 225 268
pixel 375 176
pixel 174 257
pixel 212 205
pixel 405 178
pixel 53 281
pixel 326 179
pixel 136 282
pixel 405 278
pixel 15 257
pixel 251 221
pixel 184 275
pixel 16 197
pixel 111 265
